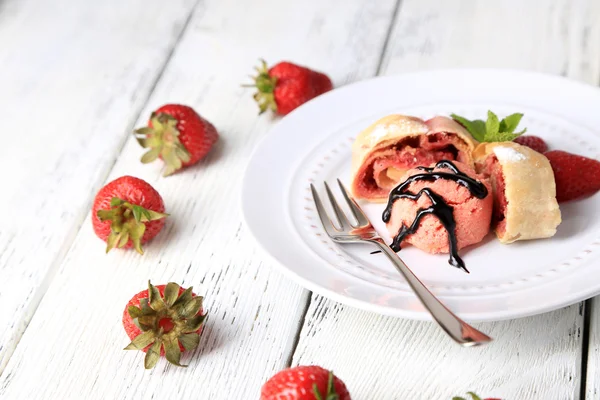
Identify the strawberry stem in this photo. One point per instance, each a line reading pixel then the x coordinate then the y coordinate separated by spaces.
pixel 184 315
pixel 127 223
pixel 331 394
pixel 161 137
pixel 265 85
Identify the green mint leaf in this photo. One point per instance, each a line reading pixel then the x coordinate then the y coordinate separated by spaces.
pixel 492 130
pixel 510 123
pixel 476 128
pixel 505 137
pixel 492 125
pixel 479 127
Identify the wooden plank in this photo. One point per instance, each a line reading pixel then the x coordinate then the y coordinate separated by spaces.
pixel 532 358
pixel 73 344
pixel 74 76
pixel 553 36
pixel 592 383
pixel 388 358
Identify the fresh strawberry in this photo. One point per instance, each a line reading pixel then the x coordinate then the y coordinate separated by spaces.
pixel 286 86
pixel 533 142
pixel 576 176
pixel 127 212
pixel 177 135
pixel 304 383
pixel 164 320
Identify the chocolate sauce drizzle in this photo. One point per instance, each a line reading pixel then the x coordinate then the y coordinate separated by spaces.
pixel 439 208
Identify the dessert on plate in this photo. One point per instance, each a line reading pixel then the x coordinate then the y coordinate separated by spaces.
pixel 440 209
pixel 525 205
pixel 449 181
pixel 382 153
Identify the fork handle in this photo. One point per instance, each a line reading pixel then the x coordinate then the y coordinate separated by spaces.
pixel 455 327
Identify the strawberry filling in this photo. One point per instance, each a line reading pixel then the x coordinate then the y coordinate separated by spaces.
pixel 491 169
pixel 384 168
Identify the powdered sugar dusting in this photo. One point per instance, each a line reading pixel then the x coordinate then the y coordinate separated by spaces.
pixel 408 125
pixel 508 154
pixel 380 131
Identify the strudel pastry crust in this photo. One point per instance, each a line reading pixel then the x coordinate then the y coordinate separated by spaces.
pixel 525 205
pixel 384 151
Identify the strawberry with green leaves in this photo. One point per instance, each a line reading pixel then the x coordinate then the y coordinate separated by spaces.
pixel 177 135
pixel 127 212
pixel 164 320
pixel 286 86
pixel 494 129
pixel 304 383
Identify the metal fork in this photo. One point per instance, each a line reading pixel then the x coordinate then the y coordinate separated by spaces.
pixel 363 231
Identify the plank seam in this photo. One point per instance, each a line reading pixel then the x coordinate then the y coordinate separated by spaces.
pixel 288 362
pixel 585 347
pixel 41 290
pixel 386 42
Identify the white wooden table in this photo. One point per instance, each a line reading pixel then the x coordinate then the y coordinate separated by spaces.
pixel 77 76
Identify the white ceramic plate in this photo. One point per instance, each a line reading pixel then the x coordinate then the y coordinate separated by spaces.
pixel 313 144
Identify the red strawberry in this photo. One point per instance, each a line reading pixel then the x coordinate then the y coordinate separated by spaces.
pixel 127 212
pixel 576 176
pixel 163 320
pixel 286 86
pixel 304 383
pixel 177 135
pixel 533 142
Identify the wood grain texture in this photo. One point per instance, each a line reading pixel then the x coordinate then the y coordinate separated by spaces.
pixel 553 36
pixel 72 347
pixel 531 358
pixel 74 76
pixel 388 358
pixel 592 387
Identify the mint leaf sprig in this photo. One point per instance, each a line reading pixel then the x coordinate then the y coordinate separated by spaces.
pixel 492 130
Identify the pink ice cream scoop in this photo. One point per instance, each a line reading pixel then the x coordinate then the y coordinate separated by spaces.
pixel 440 209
